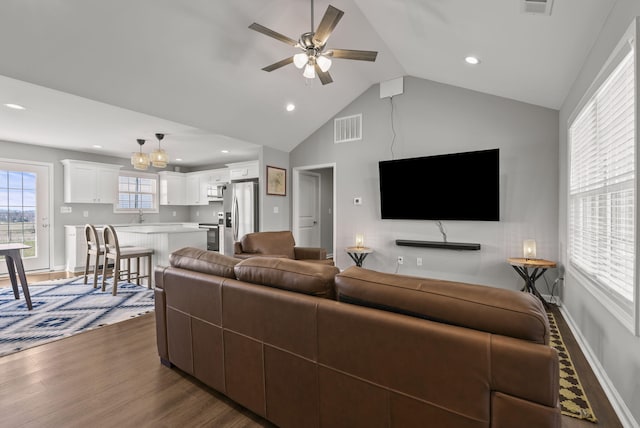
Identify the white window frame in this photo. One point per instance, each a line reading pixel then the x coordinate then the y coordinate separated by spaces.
pixel 156 199
pixel 628 315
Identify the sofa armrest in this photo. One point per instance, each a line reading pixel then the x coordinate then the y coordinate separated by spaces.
pixel 314 253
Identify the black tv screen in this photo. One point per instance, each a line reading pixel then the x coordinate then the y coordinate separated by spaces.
pixel 457 186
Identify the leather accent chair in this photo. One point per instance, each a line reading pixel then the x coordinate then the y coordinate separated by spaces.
pixel 277 244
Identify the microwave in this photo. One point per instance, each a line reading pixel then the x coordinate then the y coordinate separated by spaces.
pixel 215 192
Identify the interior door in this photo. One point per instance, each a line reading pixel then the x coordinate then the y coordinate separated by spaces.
pixel 309 210
pixel 25 210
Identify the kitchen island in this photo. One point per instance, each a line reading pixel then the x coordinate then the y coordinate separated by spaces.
pixel 163 239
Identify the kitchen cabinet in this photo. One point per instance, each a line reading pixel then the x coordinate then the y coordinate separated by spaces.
pixel 90 182
pixel 244 170
pixel 172 188
pixel 197 186
pixel 218 176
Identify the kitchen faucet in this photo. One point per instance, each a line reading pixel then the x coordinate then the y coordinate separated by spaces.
pixel 140 216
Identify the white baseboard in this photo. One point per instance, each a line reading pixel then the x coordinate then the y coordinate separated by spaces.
pixel 621 409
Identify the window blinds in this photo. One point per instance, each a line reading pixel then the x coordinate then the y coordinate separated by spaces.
pixel 602 185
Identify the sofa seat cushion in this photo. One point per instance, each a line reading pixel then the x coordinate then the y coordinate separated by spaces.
pixel 300 276
pixel 203 261
pixel 494 310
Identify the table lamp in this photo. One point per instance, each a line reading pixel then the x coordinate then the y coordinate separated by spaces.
pixel 529 248
pixel 359 240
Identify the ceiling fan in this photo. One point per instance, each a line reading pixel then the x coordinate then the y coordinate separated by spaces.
pixel 314 58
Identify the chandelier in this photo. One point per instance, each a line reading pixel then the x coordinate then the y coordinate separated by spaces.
pixel 158 158
pixel 140 160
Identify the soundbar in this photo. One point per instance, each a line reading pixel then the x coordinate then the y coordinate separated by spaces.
pixel 435 244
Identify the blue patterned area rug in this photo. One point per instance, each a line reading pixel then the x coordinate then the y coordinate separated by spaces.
pixel 64 307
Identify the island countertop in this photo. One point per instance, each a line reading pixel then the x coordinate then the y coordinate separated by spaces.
pixel 159 229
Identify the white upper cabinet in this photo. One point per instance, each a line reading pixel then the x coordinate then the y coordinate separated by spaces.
pixel 197 186
pixel 172 188
pixel 244 170
pixel 90 182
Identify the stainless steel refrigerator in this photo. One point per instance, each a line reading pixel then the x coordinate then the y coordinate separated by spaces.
pixel 241 212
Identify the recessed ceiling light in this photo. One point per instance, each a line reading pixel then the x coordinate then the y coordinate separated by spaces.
pixel 178 159
pixel 224 151
pixel 97 146
pixel 291 107
pixel 472 60
pixel 15 106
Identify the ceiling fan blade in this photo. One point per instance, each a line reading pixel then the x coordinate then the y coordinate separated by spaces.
pixel 266 31
pixel 324 77
pixel 353 54
pixel 329 21
pixel 278 64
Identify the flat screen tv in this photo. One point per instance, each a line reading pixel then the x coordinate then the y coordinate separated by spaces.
pixel 456 186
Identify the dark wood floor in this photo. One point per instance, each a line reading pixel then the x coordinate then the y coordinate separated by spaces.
pixel 112 377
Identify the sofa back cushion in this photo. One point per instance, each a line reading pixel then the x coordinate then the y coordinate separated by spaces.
pixel 293 275
pixel 494 310
pixel 276 243
pixel 203 261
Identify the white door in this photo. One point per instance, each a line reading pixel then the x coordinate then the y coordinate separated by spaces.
pixel 25 210
pixel 309 210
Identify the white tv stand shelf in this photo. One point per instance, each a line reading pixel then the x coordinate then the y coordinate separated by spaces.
pixel 442 245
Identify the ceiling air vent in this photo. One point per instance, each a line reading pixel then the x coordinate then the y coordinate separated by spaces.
pixel 537 7
pixel 348 128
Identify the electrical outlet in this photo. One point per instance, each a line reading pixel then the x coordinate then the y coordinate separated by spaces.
pixel 419 261
pixel 400 260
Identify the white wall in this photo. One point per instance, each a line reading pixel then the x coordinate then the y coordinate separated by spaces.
pixel 614 351
pixel 432 118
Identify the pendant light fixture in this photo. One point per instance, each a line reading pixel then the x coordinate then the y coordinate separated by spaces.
pixel 159 157
pixel 140 160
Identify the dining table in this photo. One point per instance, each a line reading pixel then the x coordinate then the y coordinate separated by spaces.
pixel 13 259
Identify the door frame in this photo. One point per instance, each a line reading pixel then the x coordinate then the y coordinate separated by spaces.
pixel 49 210
pixel 296 192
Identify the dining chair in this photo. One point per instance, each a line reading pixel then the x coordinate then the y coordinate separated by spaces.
pixel 113 251
pixel 95 250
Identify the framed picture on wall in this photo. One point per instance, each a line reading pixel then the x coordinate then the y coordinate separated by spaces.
pixel 276 181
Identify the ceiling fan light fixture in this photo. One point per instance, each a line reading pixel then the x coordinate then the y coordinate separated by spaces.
pixel 300 59
pixel 323 62
pixel 309 71
pixel 140 160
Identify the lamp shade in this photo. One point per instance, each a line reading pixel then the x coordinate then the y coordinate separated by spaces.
pixel 359 240
pixel 159 158
pixel 140 160
pixel 529 248
pixel 323 62
pixel 309 72
pixel 300 59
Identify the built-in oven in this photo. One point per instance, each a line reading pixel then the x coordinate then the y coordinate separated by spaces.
pixel 213 236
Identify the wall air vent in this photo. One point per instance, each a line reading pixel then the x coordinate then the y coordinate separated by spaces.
pixel 537 7
pixel 348 128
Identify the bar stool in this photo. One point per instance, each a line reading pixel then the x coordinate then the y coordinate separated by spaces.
pixel 95 250
pixel 113 251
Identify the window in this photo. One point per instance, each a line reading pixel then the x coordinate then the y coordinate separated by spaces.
pixel 137 191
pixel 602 190
pixel 18 209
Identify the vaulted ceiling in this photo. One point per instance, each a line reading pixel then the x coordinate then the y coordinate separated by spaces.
pixel 95 72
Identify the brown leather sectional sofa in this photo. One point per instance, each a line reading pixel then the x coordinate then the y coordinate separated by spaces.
pixel 304 345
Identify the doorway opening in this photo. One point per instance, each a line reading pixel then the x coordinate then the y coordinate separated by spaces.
pixel 314 216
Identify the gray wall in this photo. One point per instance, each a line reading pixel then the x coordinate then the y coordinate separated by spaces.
pixel 270 220
pixel 431 118
pixel 613 350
